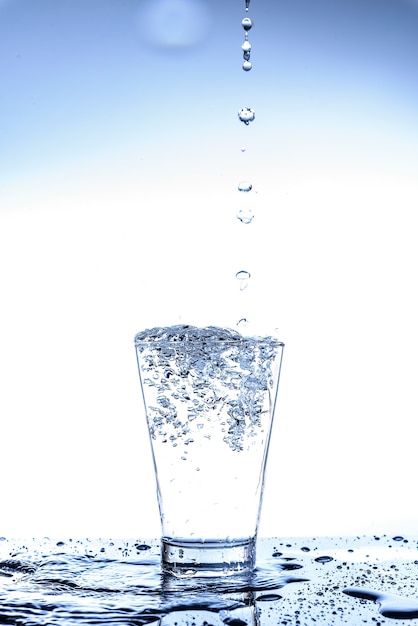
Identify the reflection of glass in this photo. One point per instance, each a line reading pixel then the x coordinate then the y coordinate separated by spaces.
pixel 208 604
pixel 209 397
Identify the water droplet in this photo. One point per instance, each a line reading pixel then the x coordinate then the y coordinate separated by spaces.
pixel 244 185
pixel 243 276
pixel 243 148
pixel 242 323
pixel 246 46
pixel 247 23
pixel 247 4
pixel 391 606
pixel 246 56
pixel 246 66
pixel 245 216
pixel 324 559
pixel 246 115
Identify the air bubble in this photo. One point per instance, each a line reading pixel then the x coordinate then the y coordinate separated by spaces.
pixel 245 216
pixel 244 186
pixel 246 66
pixel 247 23
pixel 246 115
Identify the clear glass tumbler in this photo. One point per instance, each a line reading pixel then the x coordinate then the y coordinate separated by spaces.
pixel 209 396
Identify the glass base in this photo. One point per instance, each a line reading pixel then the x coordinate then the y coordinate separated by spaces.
pixel 211 558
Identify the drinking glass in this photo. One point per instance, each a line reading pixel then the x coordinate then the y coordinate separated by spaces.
pixel 209 396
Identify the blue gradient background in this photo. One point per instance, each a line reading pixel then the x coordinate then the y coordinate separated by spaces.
pixel 119 164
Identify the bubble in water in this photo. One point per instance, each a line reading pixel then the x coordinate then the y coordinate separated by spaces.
pixel 246 115
pixel 247 23
pixel 246 66
pixel 245 216
pixel 246 46
pixel 244 185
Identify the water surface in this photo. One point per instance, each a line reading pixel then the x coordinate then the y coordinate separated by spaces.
pixel 337 580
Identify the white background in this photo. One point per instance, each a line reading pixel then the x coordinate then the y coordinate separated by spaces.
pixel 104 237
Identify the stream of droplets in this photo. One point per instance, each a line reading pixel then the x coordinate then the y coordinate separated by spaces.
pixel 298 581
pixel 245 115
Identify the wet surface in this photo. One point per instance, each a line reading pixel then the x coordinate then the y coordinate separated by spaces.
pixel 336 580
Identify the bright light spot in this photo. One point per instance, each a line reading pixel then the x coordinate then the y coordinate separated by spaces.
pixel 173 23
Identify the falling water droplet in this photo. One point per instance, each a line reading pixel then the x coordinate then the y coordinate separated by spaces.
pixel 246 46
pixel 243 148
pixel 242 323
pixel 245 216
pixel 243 276
pixel 246 66
pixel 246 115
pixel 247 4
pixel 247 23
pixel 245 186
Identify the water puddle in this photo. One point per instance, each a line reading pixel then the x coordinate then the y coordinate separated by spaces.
pixel 348 580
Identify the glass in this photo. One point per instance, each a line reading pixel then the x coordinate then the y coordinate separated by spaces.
pixel 209 398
